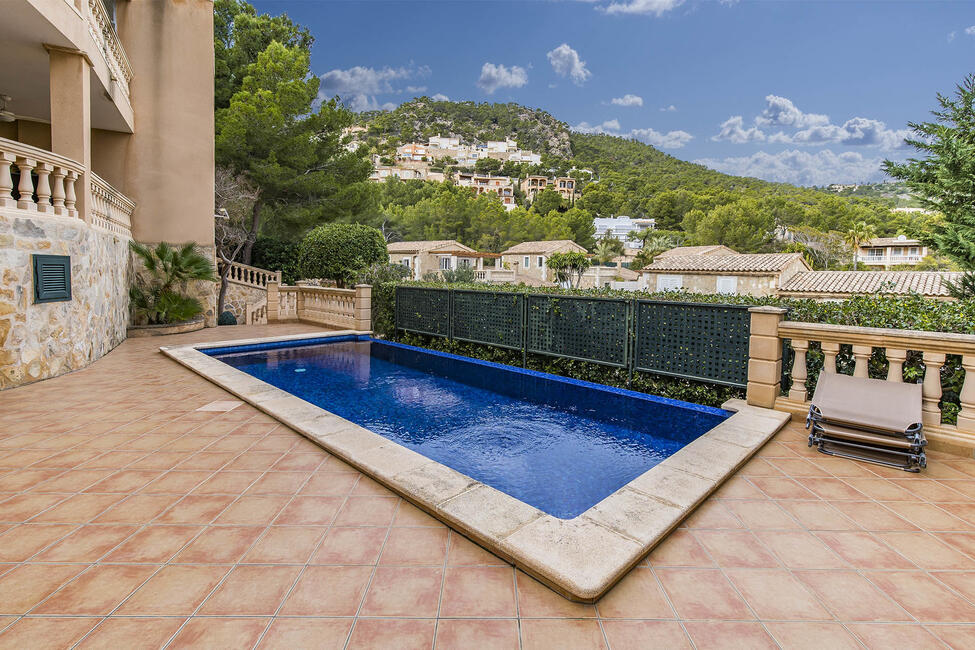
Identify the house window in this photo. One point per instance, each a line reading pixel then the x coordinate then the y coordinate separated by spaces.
pixel 726 284
pixel 669 282
pixel 528 262
pixel 875 252
pixel 913 250
pixel 464 263
pixel 541 261
pixel 405 262
pixel 444 263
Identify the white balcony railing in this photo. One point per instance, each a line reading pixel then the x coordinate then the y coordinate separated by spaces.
pixel 110 209
pixel 251 276
pixel 54 191
pixel 101 29
pixel 889 259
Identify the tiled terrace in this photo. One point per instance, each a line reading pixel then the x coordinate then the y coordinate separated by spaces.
pixel 129 517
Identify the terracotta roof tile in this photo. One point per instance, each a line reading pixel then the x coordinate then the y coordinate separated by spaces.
pixel 927 283
pixel 740 262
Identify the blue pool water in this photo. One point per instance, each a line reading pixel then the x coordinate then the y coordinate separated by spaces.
pixel 558 444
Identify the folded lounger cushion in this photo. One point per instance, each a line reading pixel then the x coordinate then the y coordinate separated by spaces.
pixel 868 419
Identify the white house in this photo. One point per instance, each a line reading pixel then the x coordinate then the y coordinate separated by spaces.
pixel 621 227
pixel 891 251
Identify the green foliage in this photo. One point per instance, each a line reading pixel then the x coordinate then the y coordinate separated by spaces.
pixel 546 201
pixel 745 226
pixel 964 288
pixel 945 178
pixel 227 318
pixel 858 235
pixel 607 249
pixel 277 255
pixel 340 251
pixel 381 272
pixel 568 267
pixel 488 166
pixel 156 297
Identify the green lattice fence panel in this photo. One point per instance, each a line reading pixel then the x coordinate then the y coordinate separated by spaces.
pixel 697 341
pixel 424 311
pixel 589 329
pixel 487 317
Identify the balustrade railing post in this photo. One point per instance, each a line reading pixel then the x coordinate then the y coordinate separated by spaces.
pixel 26 185
pixel 861 363
pixel 69 194
pixel 798 390
pixel 57 191
pixel 895 365
pixel 764 356
pixel 931 390
pixel 966 416
pixel 6 181
pixel 830 350
pixel 44 187
pixel 273 301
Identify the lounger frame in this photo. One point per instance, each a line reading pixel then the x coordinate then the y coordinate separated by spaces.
pixel 909 459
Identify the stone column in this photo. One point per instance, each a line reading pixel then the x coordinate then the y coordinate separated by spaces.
pixel 70 74
pixel 764 356
pixel 363 307
pixel 966 418
pixel 273 302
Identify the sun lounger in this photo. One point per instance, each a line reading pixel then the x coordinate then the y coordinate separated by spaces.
pixel 868 419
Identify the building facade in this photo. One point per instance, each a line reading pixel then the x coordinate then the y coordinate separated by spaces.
pixel 891 251
pixel 529 260
pixel 564 185
pixel 109 138
pixel 621 228
pixel 483 183
pixel 762 274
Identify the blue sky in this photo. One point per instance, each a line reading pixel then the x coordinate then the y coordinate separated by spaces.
pixel 803 92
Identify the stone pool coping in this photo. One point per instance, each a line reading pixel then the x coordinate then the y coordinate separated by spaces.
pixel 580 558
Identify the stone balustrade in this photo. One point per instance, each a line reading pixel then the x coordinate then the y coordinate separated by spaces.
pixel 494 275
pixel 55 189
pixel 256 313
pixel 110 209
pixel 341 308
pixel 251 276
pixel 103 32
pixel 765 364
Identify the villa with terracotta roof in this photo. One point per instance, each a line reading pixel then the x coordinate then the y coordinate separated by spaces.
pixel 891 251
pixel 436 255
pixel 529 259
pixel 761 274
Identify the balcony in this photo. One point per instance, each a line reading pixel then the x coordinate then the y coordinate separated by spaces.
pixel 887 260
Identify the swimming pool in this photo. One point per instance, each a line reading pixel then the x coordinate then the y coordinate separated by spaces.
pixel 557 444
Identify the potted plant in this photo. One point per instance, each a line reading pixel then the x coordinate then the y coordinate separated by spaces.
pixel 158 297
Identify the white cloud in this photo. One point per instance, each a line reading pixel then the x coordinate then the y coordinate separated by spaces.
pixel 499 76
pixel 646 7
pixel 668 109
pixel 440 97
pixel 733 129
pixel 359 85
pixel 416 89
pixel 780 111
pixel 669 140
pixel 951 36
pixel 970 31
pixel 627 100
pixel 566 63
pixel 801 167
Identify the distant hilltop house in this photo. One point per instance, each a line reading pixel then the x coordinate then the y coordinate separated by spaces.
pixel 621 227
pixel 715 271
pixel 891 251
pixel 529 260
pixel 483 183
pixel 564 185
pixel 422 257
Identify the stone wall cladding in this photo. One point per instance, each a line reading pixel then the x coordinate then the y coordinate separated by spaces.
pixel 238 296
pixel 38 341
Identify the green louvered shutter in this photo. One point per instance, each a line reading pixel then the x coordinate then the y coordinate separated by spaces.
pixel 52 278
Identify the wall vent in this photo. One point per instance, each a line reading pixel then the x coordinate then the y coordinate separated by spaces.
pixel 52 278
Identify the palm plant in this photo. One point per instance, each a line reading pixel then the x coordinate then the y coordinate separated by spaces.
pixel 653 245
pixel 158 294
pixel 607 249
pixel 859 234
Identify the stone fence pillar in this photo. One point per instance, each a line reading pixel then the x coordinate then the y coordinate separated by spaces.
pixel 363 307
pixel 764 356
pixel 273 302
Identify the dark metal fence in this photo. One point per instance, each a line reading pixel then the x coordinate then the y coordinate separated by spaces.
pixel 700 341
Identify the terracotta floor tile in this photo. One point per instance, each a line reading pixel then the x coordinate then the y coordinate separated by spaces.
pixel 415 547
pixel 535 600
pixel 45 632
pixel 924 597
pixel 832 489
pixel 274 442
pixel 336 484
pixel 29 584
pixel 367 487
pixel 21 542
pixel 86 544
pixel 927 516
pixel 680 548
pixel 489 634
pixel 962 582
pixel 285 545
pixel 155 544
pixel 176 482
pixel 735 548
pixel 207 460
pixel 879 636
pixel 811 636
pixel 403 591
pixel 367 511
pixel 881 489
pixel 776 594
pixel 299 461
pixel 409 515
pixel 564 634
pixel 716 634
pixel 125 481
pixel 796 467
pixel 712 514
pixel 219 544
pixel 777 487
pixel 97 591
pixel 114 460
pixel 279 483
pixel 22 507
pixel 762 514
pixel 759 467
pixel 79 509
pixel 637 595
pixel 637 635
pixel 477 591
pixel 463 552
pixel 20 480
pixel 251 591
pixel 818 515
pixel 931 490
pixel 350 546
pixel 174 591
pixel 226 482
pixel 195 509
pixel 291 633
pixel 958 637
pixel 73 481
pixel 310 511
pixel 736 487
pixel 253 510
pixel 328 591
pixel 873 516
pixel 851 597
pixel 926 551
pixel 259 461
pixel 381 634
pixel 964 542
pixel 137 509
pixel 863 550
pixel 964 511
pixel 220 633
pixel 702 594
pixel 842 467
pixel 116 633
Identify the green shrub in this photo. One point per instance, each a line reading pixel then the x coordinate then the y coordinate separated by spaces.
pixel 158 294
pixel 277 255
pixel 339 251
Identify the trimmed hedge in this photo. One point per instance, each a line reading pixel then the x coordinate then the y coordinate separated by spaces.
pixel 911 312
